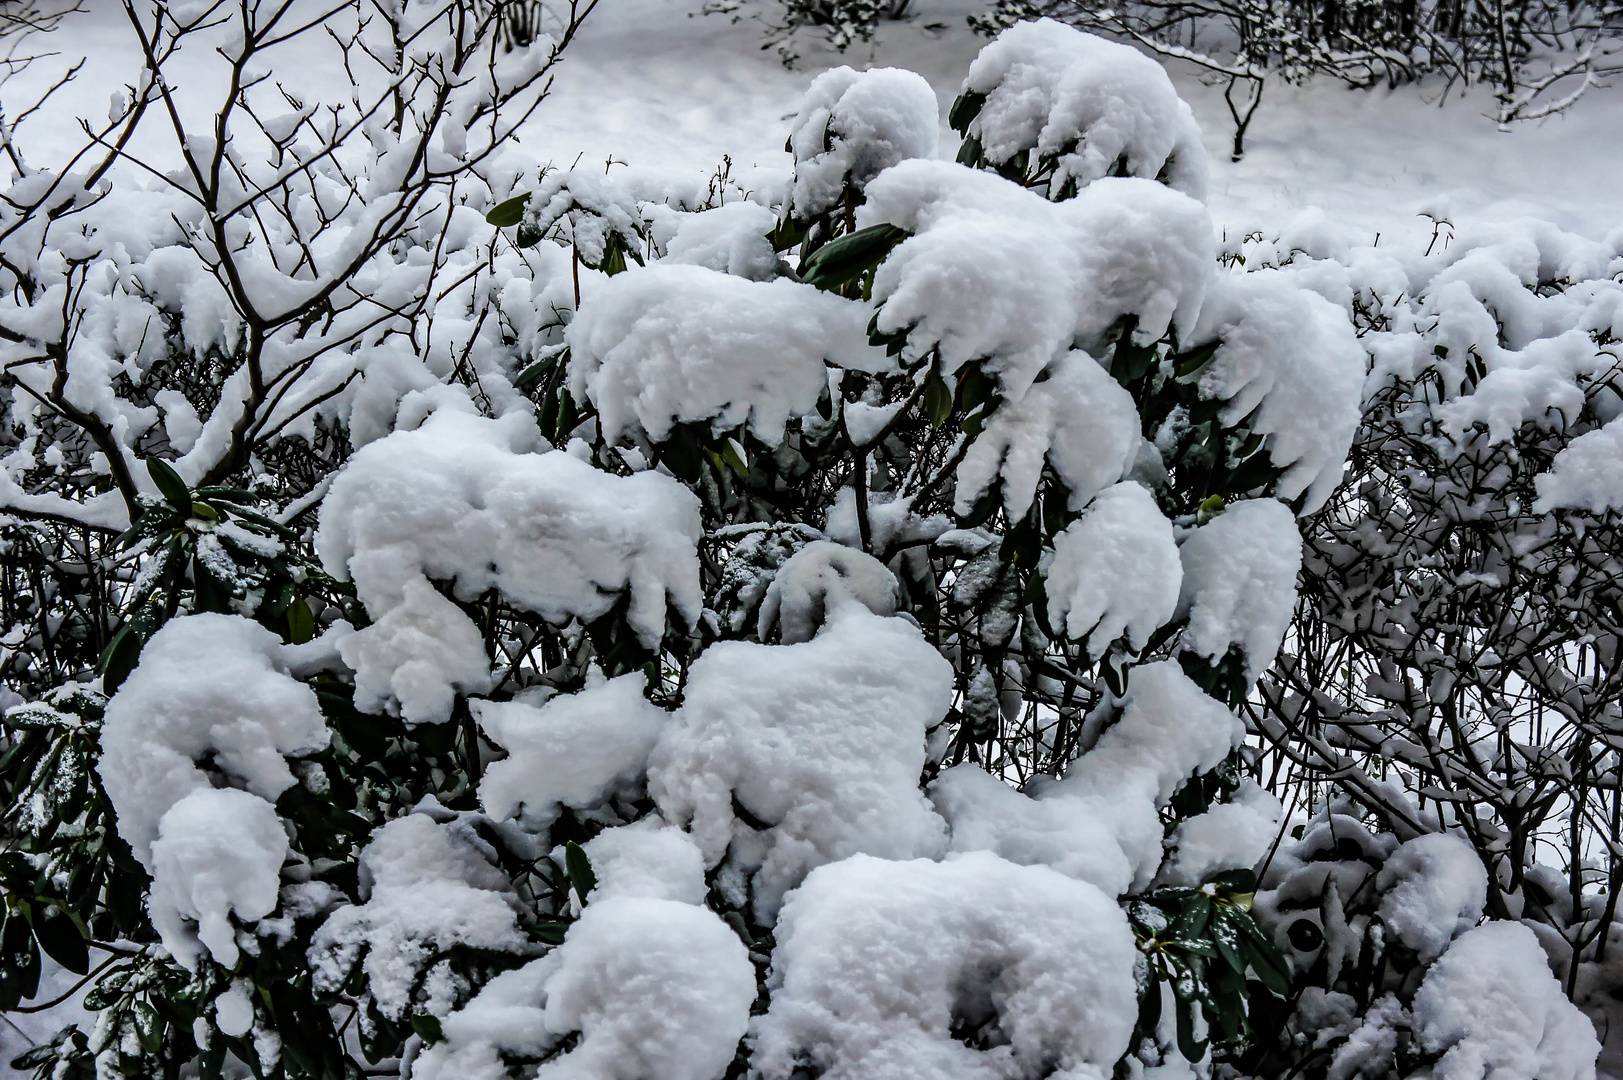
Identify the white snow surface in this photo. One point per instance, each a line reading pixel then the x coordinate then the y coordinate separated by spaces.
pixel 875 959
pixel 817 579
pixel 1290 356
pixel 573 750
pixel 1434 888
pixel 1587 474
pixel 1115 571
pixel 730 239
pixel 472 502
pixel 822 742
pixel 647 858
pixel 851 126
pixel 1492 1008
pixel 1230 836
pixel 1078 419
pixel 1239 581
pixel 1089 102
pixel 672 344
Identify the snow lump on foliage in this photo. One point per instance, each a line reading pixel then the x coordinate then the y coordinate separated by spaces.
pixel 851 126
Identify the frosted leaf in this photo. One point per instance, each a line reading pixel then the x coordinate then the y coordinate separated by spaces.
pixel 1492 1009
pixel 1239 581
pixel 594 209
pixel 1586 475
pixel 466 501
pixel 821 743
pixel 1100 107
pixel 216 852
pixel 432 887
pixel 877 962
pixel 1079 420
pixel 731 239
pixel 575 750
pixel 1115 571
pixel 1291 357
pixel 815 580
pixel 682 344
pixel 1433 888
pixel 851 126
pixel 206 686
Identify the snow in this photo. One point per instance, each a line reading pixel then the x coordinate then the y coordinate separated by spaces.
pixel 1115 571
pixel 817 579
pixel 876 961
pixel 822 742
pixel 593 210
pixel 575 750
pixel 1587 474
pixel 851 126
pixel 730 239
pixel 432 887
pixel 1088 102
pixel 1289 357
pixel 1099 823
pixel 1078 419
pixel 647 858
pixel 1433 888
pixel 997 273
pixel 474 503
pixel 672 344
pixel 1239 581
pixel 1492 1009
pixel 1230 836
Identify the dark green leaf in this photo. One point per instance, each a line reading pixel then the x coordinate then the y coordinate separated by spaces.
pixel 428 1026
pixel 509 212
pixel 967 106
pixel 120 658
pixel 1184 1010
pixel 844 259
pixel 580 870
pixel 301 624
pixel 62 942
pixel 170 484
pixel 937 400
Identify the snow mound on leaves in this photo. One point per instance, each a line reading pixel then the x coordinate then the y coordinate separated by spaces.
pixel 1587 474
pixel 797 755
pixel 1100 823
pixel 670 344
pixel 817 579
pixel 877 961
pixel 1492 1008
pixel 574 750
pixel 216 686
pixel 1291 357
pixel 1078 420
pixel 433 886
pixel 997 273
pixel 658 986
pixel 1115 571
pixel 1434 887
pixel 1239 581
pixel 1091 103
pixel 851 126
pixel 730 239
pixel 467 500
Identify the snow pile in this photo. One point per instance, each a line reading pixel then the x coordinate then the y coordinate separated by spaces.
pixel 1587 474
pixel 467 501
pixel 217 687
pixel 1078 419
pixel 1289 357
pixel 792 756
pixel 593 210
pixel 657 985
pixel 851 126
pixel 1115 571
pixel 1100 822
pixel 1491 1007
pixel 997 273
pixel 730 239
pixel 433 887
pixel 1239 581
pixel 1096 107
pixel 1433 888
pixel 574 750
pixel 879 964
pixel 1230 836
pixel 817 579
pixel 670 344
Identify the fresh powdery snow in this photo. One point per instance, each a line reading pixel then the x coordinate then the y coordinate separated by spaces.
pixel 817 580
pixel 851 126
pixel 480 504
pixel 1434 888
pixel 1239 581
pixel 785 757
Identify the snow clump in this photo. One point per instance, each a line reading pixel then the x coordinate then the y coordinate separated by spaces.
pixel 1115 571
pixel 1435 888
pixel 1239 581
pixel 851 126
pixel 877 962
pixel 817 579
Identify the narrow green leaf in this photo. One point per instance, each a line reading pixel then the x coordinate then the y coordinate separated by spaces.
pixel 937 400
pixel 301 623
pixel 967 106
pixel 509 212
pixel 170 484
pixel 580 870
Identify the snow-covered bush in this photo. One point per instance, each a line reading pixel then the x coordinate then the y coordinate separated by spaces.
pixel 483 622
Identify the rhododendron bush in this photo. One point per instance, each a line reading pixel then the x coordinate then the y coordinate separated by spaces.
pixel 887 618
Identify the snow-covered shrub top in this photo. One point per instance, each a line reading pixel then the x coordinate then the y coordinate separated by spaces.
pixel 683 344
pixel 1239 581
pixel 1045 959
pixel 1098 107
pixel 481 504
pixel 851 126
pixel 1116 571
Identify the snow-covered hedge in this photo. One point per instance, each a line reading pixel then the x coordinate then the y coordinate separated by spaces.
pixel 678 633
